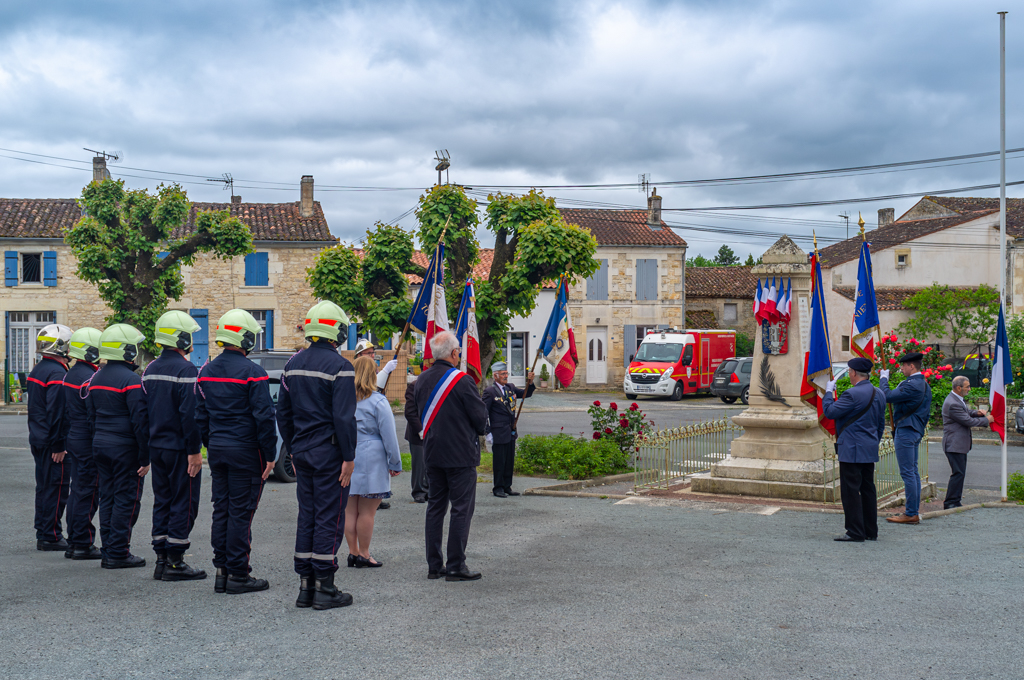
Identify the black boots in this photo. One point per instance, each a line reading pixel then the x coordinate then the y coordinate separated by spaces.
pixel 52 546
pixel 158 570
pixel 245 584
pixel 220 583
pixel 129 562
pixel 307 586
pixel 89 553
pixel 178 570
pixel 327 596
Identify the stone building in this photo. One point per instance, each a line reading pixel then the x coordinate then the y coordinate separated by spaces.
pixel 721 297
pixel 40 284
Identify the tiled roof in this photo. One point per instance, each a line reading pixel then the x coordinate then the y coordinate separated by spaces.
pixel 37 218
pixel 720 282
pixel 929 215
pixel 622 227
pixel 888 299
pixel 481 270
pixel 49 217
pixel 701 318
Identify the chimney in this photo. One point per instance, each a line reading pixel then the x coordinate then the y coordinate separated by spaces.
pixel 99 169
pixel 236 199
pixel 886 216
pixel 654 211
pixel 306 203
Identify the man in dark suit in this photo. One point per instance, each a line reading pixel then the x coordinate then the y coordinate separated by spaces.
pixel 500 399
pixel 957 421
pixel 454 418
pixel 860 421
pixel 912 407
pixel 412 435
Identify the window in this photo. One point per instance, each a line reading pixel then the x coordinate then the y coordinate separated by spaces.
pixel 901 260
pixel 647 279
pixel 23 328
pixel 257 269
pixel 517 354
pixel 902 257
pixel 687 356
pixel 264 340
pixel 730 312
pixel 596 350
pixel 31 267
pixel 746 366
pixel 597 285
pixel 659 351
pixel 846 343
pixel 726 367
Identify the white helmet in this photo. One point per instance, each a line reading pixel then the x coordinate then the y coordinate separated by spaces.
pixel 54 339
pixel 364 345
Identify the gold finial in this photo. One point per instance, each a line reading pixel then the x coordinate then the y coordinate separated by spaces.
pixel 815 235
pixel 860 221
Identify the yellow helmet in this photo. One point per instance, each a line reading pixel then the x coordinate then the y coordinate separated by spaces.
pixel 238 328
pixel 175 329
pixel 326 320
pixel 85 345
pixel 120 342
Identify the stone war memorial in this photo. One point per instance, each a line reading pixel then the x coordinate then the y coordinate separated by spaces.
pixel 781 453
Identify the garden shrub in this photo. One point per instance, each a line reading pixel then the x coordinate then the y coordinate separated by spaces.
pixel 1015 487
pixel 568 457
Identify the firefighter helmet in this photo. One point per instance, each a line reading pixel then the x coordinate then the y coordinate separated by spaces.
pixel 54 339
pixel 238 328
pixel 175 329
pixel 326 320
pixel 120 342
pixel 85 345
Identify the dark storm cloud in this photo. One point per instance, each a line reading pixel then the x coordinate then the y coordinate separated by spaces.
pixel 519 93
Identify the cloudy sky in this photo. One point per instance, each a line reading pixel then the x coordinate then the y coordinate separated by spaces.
pixel 361 94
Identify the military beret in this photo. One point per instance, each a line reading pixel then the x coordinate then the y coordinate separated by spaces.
pixel 860 364
pixel 499 366
pixel 910 357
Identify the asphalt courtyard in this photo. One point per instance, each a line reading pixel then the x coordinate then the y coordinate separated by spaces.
pixel 572 588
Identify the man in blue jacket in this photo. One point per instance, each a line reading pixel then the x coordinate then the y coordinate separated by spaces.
pixel 316 414
pixel 46 435
pixel 859 415
pixel 174 446
pixel 912 407
pixel 235 415
pixel 119 419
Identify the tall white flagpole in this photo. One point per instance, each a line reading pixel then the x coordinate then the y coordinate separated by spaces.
pixel 1002 207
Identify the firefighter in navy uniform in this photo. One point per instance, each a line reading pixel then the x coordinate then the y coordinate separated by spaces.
pixel 116 408
pixel 316 414
pixel 46 436
pixel 174 446
pixel 236 422
pixel 84 498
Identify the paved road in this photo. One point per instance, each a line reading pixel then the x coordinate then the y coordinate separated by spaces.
pixel 572 588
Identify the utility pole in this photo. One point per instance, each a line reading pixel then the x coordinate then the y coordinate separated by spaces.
pixel 444 161
pixel 846 216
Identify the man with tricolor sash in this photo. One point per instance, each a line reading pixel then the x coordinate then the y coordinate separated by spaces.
pixel 453 419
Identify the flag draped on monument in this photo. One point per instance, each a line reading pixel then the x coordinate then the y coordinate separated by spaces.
pixel 1002 375
pixel 430 310
pixel 465 331
pixel 559 343
pixel 757 303
pixel 771 311
pixel 865 309
pixel 818 361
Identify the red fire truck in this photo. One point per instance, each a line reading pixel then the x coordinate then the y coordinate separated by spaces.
pixel 671 362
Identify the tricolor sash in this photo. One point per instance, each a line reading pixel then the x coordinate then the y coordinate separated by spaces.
pixel 437 396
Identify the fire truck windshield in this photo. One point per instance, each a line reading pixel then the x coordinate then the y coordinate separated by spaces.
pixel 650 351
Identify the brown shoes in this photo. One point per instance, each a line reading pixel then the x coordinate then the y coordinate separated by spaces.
pixel 904 519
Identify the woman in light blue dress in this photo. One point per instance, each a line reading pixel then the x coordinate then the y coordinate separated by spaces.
pixel 377 461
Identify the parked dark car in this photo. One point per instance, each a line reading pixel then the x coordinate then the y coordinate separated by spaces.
pixel 271 359
pixel 285 469
pixel 732 380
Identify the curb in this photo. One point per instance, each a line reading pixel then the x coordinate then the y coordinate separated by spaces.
pixel 541 491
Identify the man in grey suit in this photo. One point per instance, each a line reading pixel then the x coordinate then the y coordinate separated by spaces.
pixel 957 421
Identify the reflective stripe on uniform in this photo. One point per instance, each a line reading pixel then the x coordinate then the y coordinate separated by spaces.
pixel 159 538
pixel 179 541
pixel 169 378
pixel 303 556
pixel 323 557
pixel 318 374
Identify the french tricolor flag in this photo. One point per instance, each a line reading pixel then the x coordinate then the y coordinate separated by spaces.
pixel 430 310
pixel 771 311
pixel 1002 375
pixel 757 302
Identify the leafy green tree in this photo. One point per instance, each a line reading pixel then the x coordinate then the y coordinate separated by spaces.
pixel 726 257
pixel 700 261
pixel 941 311
pixel 119 242
pixel 750 261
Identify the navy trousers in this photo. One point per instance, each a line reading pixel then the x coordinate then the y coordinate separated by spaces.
pixel 84 498
pixel 175 500
pixel 51 495
pixel 419 472
pixel 458 487
pixel 120 497
pixel 504 462
pixel 236 489
pixel 860 502
pixel 321 524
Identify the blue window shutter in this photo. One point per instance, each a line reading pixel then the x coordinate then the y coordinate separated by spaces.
pixel 50 268
pixel 641 276
pixel 597 285
pixel 250 269
pixel 161 256
pixel 11 268
pixel 262 269
pixel 628 343
pixel 353 331
pixel 387 345
pixel 652 279
pixel 201 338
pixel 270 328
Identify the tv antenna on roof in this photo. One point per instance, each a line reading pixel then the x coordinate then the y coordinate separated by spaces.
pixel 644 182
pixel 444 161
pixel 115 157
pixel 227 180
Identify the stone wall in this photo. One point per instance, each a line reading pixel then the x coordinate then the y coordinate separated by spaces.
pixel 744 312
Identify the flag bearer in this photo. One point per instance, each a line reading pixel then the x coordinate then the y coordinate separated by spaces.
pixel 84 498
pixel 116 408
pixel 174 446
pixel 316 416
pixel 236 422
pixel 45 434
pixel 501 425
pixel 912 407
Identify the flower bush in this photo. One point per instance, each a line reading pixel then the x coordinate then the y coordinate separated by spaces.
pixel 621 427
pixel 569 457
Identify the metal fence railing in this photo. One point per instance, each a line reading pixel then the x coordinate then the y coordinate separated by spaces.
pixel 888 481
pixel 665 456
